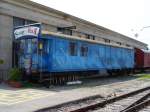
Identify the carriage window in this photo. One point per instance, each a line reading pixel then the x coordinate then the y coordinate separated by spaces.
pixel 84 51
pixel 73 48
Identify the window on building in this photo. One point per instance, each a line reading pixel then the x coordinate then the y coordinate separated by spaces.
pixel 119 43
pixel 84 50
pixel 73 49
pixel 92 37
pixel 64 31
pixel 107 40
pixel 20 22
pixel 128 45
pixel 87 36
pixel 29 22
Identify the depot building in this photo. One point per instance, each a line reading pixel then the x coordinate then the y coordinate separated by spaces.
pixel 14 13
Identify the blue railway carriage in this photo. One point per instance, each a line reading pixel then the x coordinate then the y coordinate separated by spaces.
pixel 56 55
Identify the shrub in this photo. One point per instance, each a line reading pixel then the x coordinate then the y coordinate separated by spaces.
pixel 1 61
pixel 15 74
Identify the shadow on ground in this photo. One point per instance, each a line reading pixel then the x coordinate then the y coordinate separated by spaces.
pixel 93 82
pixel 86 83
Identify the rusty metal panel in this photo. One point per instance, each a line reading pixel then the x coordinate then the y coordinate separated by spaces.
pixel 139 58
pixel 146 60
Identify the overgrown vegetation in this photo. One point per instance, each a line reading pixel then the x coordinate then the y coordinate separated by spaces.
pixel 145 76
pixel 15 74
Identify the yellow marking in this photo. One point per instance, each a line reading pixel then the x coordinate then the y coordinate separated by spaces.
pixel 8 97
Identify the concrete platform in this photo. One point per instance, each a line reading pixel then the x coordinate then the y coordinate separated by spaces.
pixel 29 100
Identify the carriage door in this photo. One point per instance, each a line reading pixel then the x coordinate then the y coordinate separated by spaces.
pixel 44 53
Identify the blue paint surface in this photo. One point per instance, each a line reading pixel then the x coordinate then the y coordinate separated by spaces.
pixel 56 57
pixel 99 56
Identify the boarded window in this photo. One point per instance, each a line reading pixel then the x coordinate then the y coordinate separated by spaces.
pixel 73 49
pixel 84 50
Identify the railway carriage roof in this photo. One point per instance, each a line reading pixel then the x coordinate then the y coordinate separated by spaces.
pixel 82 39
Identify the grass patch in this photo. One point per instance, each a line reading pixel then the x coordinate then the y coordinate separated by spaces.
pixel 144 76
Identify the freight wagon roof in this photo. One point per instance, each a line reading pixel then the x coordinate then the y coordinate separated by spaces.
pixel 82 39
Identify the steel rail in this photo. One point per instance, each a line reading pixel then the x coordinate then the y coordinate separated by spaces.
pixel 138 107
pixel 137 102
pixel 104 103
pixel 70 102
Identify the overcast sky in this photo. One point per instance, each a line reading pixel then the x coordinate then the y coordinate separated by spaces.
pixel 127 17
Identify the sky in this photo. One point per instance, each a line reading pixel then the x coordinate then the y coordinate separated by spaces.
pixel 127 17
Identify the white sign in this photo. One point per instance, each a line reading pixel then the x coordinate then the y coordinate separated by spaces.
pixel 27 31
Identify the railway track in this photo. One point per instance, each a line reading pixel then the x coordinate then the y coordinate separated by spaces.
pixel 130 102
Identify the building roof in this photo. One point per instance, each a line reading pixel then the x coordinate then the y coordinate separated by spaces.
pixel 49 10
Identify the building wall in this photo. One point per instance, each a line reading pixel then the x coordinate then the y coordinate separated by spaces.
pixel 49 28
pixel 6 28
pixel 51 20
pixel 6 24
pixel 35 12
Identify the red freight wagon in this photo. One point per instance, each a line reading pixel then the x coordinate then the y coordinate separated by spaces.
pixel 139 58
pixel 146 59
